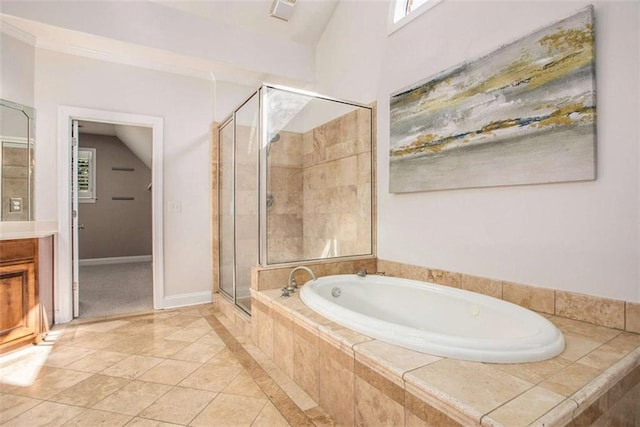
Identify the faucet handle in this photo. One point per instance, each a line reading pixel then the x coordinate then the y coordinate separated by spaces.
pixel 285 293
pixel 293 284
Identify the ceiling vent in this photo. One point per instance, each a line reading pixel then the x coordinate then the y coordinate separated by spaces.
pixel 282 9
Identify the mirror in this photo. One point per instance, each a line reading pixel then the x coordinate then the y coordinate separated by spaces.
pixel 17 138
pixel 319 186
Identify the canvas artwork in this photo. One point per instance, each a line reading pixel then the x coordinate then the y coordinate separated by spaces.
pixel 523 114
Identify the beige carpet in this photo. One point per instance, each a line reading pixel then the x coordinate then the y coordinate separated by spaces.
pixel 111 289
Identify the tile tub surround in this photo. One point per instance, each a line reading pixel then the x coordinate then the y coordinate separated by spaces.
pixel 263 278
pixel 384 384
pixel 615 314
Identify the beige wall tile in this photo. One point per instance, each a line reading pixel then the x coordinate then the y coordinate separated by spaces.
pixel 632 317
pixel 306 361
pixel 272 278
pixel 414 272
pixel 287 151
pixel 265 327
pixel 482 285
pixel 537 299
pixel 390 268
pixel 446 278
pixel 391 389
pixel 334 268
pixel 620 404
pixel 419 413
pixel 374 407
pixel 336 383
pixel 334 168
pixel 596 310
pixel 283 342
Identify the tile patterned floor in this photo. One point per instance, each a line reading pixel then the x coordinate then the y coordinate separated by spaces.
pixel 186 366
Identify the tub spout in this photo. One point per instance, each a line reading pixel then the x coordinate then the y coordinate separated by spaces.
pixel 291 283
pixel 362 272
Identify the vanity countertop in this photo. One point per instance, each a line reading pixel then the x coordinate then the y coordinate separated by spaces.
pixel 10 230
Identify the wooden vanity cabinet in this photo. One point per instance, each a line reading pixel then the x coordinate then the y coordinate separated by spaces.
pixel 22 318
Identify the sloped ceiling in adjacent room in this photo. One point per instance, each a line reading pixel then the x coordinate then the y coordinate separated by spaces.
pixel 135 138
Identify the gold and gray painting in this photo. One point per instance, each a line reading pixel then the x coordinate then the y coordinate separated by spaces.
pixel 523 114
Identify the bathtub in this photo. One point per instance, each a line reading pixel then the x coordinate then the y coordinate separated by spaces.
pixel 435 319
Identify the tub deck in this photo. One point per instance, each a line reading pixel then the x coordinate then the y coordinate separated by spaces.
pixel 360 380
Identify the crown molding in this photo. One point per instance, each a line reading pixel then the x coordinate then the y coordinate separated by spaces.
pixel 17 33
pixel 62 40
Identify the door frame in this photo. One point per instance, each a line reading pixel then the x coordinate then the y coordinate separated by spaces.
pixel 64 285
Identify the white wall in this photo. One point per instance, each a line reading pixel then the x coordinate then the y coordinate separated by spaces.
pixel 582 237
pixel 154 25
pixel 187 107
pixel 16 70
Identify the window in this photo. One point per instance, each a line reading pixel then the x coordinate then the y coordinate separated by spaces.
pixel 87 175
pixel 404 11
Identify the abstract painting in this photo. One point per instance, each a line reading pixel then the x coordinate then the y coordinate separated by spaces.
pixel 523 114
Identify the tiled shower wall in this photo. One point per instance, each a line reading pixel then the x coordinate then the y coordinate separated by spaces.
pixel 336 161
pixel 321 187
pixel 320 182
pixel 284 216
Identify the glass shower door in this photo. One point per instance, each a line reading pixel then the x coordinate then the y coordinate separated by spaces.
pixel 226 213
pixel 246 198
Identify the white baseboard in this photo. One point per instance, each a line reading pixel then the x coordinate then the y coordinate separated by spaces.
pixel 115 260
pixel 182 300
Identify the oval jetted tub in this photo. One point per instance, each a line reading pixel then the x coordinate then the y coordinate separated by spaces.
pixel 435 319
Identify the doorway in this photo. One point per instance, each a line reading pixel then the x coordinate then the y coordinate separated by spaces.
pixel 69 288
pixel 114 219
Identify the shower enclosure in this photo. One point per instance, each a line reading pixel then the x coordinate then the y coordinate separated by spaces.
pixel 294 184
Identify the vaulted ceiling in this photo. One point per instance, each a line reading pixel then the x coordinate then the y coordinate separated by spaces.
pixel 231 40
